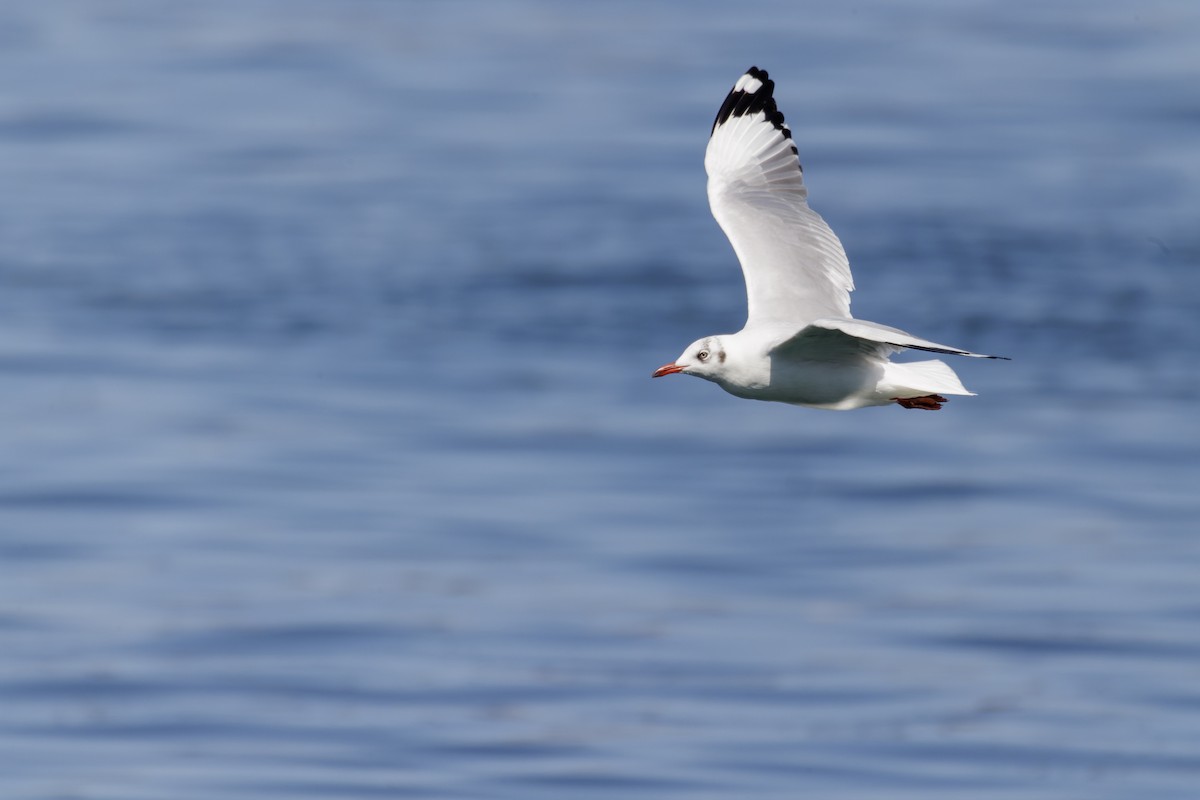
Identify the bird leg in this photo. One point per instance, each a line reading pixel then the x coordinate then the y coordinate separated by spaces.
pixel 929 402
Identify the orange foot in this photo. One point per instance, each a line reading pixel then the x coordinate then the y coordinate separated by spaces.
pixel 930 402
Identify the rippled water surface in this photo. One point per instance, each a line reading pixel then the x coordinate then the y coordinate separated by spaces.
pixel 332 467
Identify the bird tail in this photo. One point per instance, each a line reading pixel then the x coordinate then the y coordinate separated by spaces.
pixel 920 378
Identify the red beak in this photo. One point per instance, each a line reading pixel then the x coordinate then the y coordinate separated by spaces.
pixel 666 369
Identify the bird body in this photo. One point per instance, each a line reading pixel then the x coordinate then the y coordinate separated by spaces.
pixel 800 344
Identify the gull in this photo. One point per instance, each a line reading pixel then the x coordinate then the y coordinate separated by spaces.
pixel 800 345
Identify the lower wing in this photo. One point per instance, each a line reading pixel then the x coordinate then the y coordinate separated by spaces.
pixel 832 339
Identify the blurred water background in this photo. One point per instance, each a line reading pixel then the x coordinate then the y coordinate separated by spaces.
pixel 332 467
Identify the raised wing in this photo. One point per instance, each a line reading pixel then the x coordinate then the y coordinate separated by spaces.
pixel 837 339
pixel 795 268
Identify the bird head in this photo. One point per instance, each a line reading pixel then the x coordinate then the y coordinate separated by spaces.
pixel 703 358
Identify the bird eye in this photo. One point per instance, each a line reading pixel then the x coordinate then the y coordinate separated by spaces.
pixel 702 355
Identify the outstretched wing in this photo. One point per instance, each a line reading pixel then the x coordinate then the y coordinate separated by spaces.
pixel 838 339
pixel 795 268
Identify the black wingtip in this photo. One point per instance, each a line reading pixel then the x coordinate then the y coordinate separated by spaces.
pixel 740 103
pixel 947 351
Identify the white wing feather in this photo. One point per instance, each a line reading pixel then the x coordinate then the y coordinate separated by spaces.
pixel 834 339
pixel 795 268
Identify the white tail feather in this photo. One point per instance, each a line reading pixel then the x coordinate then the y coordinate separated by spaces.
pixel 919 378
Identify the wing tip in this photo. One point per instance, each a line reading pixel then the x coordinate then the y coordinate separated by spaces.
pixel 963 353
pixel 969 354
pixel 751 93
pixel 949 351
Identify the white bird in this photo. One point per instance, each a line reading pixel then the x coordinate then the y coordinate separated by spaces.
pixel 799 344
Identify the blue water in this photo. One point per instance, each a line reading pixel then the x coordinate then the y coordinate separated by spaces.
pixel 332 467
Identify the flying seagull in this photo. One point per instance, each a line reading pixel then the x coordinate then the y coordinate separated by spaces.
pixel 799 344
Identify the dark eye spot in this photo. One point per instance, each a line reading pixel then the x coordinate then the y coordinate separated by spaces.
pixel 702 355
